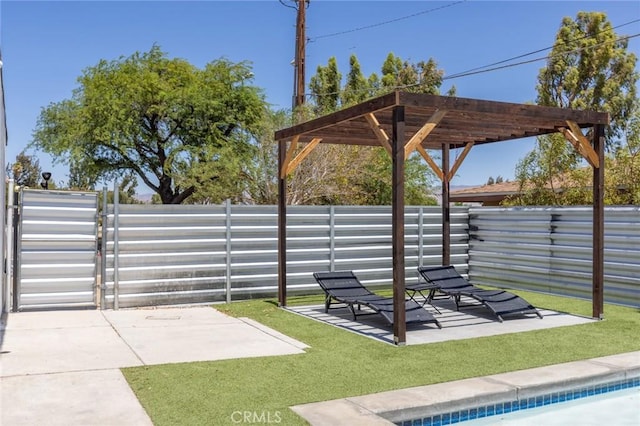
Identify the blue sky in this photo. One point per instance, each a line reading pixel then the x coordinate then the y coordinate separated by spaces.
pixel 46 45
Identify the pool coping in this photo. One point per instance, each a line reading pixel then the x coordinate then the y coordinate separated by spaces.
pixel 386 408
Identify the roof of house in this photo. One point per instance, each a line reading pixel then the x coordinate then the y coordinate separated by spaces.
pixel 484 193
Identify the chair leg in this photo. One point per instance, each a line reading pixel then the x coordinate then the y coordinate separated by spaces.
pixel 429 299
pixel 327 302
pixel 353 311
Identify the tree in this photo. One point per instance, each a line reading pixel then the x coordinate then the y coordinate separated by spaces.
pixel 79 179
pixel 372 184
pixel 622 178
pixel 262 174
pixel 490 181
pixel 126 192
pixel 391 68
pixel 325 87
pixel 181 130
pixel 589 68
pixel 356 87
pixel 359 175
pixel 26 171
pixel 421 77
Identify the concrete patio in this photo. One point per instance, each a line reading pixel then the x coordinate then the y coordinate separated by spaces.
pixel 467 323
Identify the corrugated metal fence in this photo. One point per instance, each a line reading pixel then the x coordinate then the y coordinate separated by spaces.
pixel 56 250
pixel 157 254
pixel 550 250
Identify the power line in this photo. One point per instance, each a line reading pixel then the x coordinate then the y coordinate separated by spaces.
pixel 482 70
pixel 366 27
pixel 540 50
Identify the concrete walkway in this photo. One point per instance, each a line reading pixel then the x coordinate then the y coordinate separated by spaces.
pixel 62 367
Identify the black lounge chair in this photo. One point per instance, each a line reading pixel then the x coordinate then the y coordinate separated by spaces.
pixel 343 287
pixel 448 281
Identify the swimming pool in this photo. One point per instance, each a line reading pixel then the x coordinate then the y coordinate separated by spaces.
pixel 613 403
pixel 617 408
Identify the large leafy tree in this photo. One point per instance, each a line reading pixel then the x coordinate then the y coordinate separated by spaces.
pixel 589 68
pixel 181 130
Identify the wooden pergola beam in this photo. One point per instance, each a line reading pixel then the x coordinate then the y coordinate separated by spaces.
pixel 287 158
pixel 581 143
pixel 446 208
pixel 424 131
pixel 302 155
pixel 459 161
pixel 381 135
pixel 436 169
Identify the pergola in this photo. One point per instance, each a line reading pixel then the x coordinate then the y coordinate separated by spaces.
pixel 403 123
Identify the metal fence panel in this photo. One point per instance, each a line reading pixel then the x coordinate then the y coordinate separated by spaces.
pixel 202 254
pixel 57 249
pixel 164 255
pixel 550 250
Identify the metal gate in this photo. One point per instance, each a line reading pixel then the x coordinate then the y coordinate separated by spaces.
pixel 56 250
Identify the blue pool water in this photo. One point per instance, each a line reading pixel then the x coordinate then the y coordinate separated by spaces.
pixel 617 408
pixel 616 403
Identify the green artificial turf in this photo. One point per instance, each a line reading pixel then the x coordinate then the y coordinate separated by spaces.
pixel 339 364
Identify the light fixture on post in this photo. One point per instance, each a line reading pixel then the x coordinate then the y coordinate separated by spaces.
pixel 46 176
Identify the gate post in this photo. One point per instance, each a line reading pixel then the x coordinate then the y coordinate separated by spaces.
pixel 228 251
pixel 103 249
pixel 10 244
pixel 116 250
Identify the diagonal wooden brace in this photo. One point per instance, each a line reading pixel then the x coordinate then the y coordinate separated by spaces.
pixel 459 161
pixel 379 132
pixel 580 143
pixel 302 155
pixel 430 162
pixel 287 158
pixel 421 134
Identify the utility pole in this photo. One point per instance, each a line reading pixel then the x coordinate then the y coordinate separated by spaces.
pixel 299 65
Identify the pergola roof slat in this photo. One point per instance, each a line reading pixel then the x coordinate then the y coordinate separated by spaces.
pixel 467 120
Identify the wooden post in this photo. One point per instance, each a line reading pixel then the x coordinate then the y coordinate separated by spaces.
pixel 598 224
pixel 282 226
pixel 397 227
pixel 446 209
